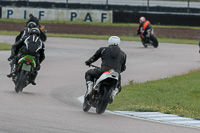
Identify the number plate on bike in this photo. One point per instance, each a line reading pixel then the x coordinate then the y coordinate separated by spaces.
pixel 26 67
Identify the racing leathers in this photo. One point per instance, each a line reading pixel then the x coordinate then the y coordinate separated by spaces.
pixel 25 32
pixel 28 45
pixel 34 19
pixel 22 34
pixel 144 29
pixel 112 58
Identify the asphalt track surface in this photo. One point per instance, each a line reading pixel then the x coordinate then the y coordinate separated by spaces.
pixel 52 105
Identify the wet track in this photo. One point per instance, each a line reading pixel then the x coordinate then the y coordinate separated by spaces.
pixel 52 105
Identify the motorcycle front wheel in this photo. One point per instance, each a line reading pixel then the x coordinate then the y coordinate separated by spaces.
pixel 155 41
pixel 86 106
pixel 21 83
pixel 144 44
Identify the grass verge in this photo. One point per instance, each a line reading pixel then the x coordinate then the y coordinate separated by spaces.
pixel 100 24
pixel 105 37
pixel 5 46
pixel 178 95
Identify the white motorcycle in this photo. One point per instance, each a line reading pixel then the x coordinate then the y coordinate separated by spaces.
pixel 101 93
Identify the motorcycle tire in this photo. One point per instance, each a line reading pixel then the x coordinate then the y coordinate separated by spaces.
pixel 155 41
pixel 21 83
pixel 86 106
pixel 104 100
pixel 144 44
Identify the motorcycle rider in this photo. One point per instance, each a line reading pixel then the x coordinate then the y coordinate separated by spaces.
pixel 112 58
pixel 26 30
pixel 144 29
pixel 34 19
pixel 28 45
pixel 33 22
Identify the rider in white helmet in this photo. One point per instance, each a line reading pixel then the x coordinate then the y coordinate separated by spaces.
pixel 112 58
pixel 114 40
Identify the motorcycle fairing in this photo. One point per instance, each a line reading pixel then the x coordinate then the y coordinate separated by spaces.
pixel 27 58
pixel 105 75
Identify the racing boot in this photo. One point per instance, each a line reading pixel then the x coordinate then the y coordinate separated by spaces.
pixel 13 71
pixel 113 94
pixel 33 77
pixel 89 89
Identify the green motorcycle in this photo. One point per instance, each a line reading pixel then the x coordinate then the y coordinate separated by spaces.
pixel 25 69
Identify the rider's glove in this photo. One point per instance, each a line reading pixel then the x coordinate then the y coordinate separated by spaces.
pixel 11 57
pixel 88 63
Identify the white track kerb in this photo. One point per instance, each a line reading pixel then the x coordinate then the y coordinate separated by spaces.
pixel 157 117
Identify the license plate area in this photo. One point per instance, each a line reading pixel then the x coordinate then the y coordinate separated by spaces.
pixel 26 67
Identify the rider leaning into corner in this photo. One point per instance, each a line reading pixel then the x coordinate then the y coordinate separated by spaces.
pixel 112 58
pixel 144 29
pixel 28 45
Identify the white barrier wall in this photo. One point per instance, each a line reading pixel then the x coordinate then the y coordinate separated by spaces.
pixel 58 14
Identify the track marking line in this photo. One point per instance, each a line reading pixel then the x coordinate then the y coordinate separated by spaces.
pixel 157 117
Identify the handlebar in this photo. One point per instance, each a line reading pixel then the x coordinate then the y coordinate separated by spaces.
pixel 94 66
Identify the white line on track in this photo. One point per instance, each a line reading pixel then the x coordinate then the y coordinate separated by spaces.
pixel 157 117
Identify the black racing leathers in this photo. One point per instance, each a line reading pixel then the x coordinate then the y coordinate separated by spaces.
pixel 26 32
pixel 112 58
pixel 23 33
pixel 31 45
pixel 33 19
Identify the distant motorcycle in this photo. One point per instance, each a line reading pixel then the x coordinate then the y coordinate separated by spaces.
pixel 150 40
pixel 26 66
pixel 101 93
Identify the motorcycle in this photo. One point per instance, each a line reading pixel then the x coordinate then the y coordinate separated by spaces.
pixel 26 66
pixel 150 40
pixel 101 93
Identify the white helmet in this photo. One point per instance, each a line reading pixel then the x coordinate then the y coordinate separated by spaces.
pixel 114 40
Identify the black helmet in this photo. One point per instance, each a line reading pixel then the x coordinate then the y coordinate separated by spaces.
pixel 31 25
pixel 31 15
pixel 35 31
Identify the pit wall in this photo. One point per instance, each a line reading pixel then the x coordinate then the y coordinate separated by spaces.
pixel 100 16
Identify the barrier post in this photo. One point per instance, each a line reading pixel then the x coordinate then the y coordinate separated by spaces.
pixel 188 9
pixel 106 4
pixel 66 3
pixel 147 5
pixel 27 3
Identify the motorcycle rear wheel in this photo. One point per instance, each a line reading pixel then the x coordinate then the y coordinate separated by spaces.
pixel 103 102
pixel 21 83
